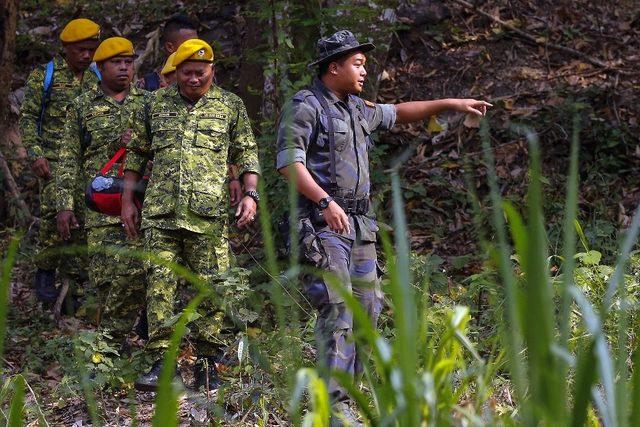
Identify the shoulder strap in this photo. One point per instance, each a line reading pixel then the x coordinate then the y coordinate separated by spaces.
pixel 46 93
pixel 121 152
pixel 331 135
pixel 152 82
pixel 94 68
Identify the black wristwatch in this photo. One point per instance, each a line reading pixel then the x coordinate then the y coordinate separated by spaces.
pixel 253 194
pixel 324 203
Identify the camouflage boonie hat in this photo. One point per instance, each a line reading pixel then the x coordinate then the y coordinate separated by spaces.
pixel 338 44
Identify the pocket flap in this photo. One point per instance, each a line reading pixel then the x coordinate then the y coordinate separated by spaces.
pixel 206 204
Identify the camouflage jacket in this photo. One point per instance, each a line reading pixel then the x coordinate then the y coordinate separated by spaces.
pixel 302 137
pixel 64 88
pixel 190 146
pixel 94 127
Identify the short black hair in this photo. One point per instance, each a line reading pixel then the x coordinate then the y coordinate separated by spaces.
pixel 176 23
pixel 323 67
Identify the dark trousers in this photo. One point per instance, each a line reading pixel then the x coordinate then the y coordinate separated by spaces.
pixel 355 264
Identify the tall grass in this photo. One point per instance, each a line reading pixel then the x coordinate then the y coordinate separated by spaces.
pixel 555 385
pixel 429 372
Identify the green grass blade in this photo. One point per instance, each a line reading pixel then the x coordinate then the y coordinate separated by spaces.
pixel 585 378
pixel 569 249
pixel 634 394
pixel 511 325
pixel 403 298
pixel 17 403
pixel 166 414
pixel 539 319
pixel 5 280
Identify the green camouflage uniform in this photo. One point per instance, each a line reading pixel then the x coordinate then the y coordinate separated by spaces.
pixel 65 87
pixel 93 130
pixel 184 214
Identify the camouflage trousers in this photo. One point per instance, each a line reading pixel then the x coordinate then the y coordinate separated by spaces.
pixel 355 264
pixel 205 255
pixel 118 280
pixel 73 266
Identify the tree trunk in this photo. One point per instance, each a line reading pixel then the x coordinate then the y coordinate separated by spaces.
pixel 251 81
pixel 8 20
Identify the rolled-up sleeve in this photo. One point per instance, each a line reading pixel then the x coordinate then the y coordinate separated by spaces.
pixel 295 130
pixel 381 116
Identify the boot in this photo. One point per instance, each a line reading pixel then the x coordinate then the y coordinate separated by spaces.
pixel 150 380
pixel 344 416
pixel 45 286
pixel 206 374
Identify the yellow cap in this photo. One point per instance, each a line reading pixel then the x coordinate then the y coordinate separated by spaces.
pixel 113 46
pixel 80 29
pixel 193 50
pixel 168 65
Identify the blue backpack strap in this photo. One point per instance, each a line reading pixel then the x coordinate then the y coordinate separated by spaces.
pixel 94 68
pixel 151 82
pixel 46 93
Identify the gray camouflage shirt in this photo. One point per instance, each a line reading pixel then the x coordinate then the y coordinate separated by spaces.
pixel 302 137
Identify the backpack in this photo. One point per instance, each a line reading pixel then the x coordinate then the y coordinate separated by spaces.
pixel 46 89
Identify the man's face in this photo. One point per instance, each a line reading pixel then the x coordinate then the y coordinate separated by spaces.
pixel 194 78
pixel 117 72
pixel 350 72
pixel 177 38
pixel 79 54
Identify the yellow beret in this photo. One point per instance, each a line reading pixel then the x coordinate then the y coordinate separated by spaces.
pixel 168 65
pixel 113 46
pixel 193 50
pixel 80 29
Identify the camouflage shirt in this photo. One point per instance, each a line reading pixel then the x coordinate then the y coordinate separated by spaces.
pixel 64 88
pixel 191 145
pixel 302 137
pixel 94 127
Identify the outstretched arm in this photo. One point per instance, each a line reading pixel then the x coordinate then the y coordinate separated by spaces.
pixel 414 111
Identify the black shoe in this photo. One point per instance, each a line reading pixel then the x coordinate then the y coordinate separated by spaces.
pixel 45 286
pixel 206 374
pixel 149 381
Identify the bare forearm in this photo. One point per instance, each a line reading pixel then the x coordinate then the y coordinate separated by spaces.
pixel 414 111
pixel 250 181
pixel 131 178
pixel 304 182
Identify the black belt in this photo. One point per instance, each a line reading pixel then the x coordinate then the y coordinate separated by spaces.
pixel 353 206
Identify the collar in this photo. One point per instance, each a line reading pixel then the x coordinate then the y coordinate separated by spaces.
pixel 214 92
pixel 99 93
pixel 330 96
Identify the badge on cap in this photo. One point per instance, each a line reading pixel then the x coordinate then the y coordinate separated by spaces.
pixel 201 53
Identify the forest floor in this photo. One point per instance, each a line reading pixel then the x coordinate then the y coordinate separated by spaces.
pixel 441 49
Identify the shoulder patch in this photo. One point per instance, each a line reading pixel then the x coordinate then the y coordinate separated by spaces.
pixel 369 103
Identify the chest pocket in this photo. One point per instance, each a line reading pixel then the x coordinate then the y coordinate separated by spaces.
pixel 211 134
pixel 101 130
pixel 340 129
pixel 166 130
pixel 366 131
